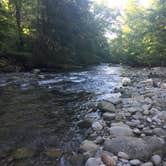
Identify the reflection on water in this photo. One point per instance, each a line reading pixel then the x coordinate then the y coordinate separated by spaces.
pixel 40 111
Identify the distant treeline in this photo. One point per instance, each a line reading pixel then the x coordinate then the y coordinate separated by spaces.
pixel 55 33
pixel 141 36
pixel 50 33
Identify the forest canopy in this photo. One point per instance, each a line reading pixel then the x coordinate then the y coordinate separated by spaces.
pixel 50 33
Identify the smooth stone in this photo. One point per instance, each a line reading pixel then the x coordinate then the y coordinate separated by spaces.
pixel 126 81
pixel 156 159
pixel 89 146
pixel 108 160
pixel 87 123
pixel 97 126
pixel 147 164
pixel 136 148
pixel 93 162
pixel 109 116
pixel 114 100
pixel 23 153
pixel 120 131
pixel 123 155
pixel 106 106
pixel 136 131
pixel 54 153
pixel 135 162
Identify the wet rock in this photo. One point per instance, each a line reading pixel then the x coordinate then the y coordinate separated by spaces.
pixel 99 140
pixel 147 164
pixel 93 162
pixel 54 153
pixel 89 146
pixel 108 160
pixel 135 162
pixel 85 124
pixel 23 153
pixel 126 81
pixel 120 131
pixel 156 159
pixel 106 106
pixel 36 71
pixel 159 132
pixel 136 148
pixel 136 131
pixel 109 116
pixel 123 155
pixel 97 126
pixel 114 100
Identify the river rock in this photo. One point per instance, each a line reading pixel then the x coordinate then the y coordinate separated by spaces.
pixel 87 123
pixel 123 155
pixel 147 164
pixel 136 148
pixel 21 153
pixel 97 126
pixel 54 153
pixel 109 116
pixel 135 162
pixel 108 160
pixel 120 131
pixel 89 146
pixel 114 100
pixel 156 159
pixel 126 81
pixel 93 162
pixel 106 106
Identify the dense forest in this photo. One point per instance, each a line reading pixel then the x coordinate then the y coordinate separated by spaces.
pixel 49 34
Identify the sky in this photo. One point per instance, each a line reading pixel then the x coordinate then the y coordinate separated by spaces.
pixel 121 3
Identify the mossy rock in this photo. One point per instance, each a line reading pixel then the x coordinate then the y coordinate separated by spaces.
pixel 54 153
pixel 23 153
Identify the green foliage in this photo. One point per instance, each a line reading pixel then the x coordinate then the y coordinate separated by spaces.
pixel 54 32
pixel 142 37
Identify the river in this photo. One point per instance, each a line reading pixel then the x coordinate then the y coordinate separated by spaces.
pixel 41 111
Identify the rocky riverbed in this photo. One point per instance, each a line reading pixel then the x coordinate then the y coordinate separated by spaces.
pixel 100 116
pixel 132 127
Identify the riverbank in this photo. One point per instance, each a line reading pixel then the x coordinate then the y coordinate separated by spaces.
pixel 132 128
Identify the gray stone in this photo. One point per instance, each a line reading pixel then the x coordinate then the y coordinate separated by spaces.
pixel 147 164
pixel 136 131
pixel 120 131
pixel 97 126
pixel 136 148
pixel 93 162
pixel 114 100
pixel 87 123
pixel 156 159
pixel 89 146
pixel 106 106
pixel 123 155
pixel 109 116
pixel 126 81
pixel 135 162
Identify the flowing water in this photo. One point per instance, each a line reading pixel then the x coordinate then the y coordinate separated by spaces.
pixel 41 111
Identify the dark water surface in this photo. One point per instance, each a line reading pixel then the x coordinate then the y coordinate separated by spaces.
pixel 40 112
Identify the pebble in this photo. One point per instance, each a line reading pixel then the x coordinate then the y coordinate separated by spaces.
pixel 135 162
pixel 147 164
pixel 156 159
pixel 123 155
pixel 136 131
pixel 97 126
pixel 108 160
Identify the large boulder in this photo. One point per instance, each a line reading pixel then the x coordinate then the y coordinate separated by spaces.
pixel 136 148
pixel 106 106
